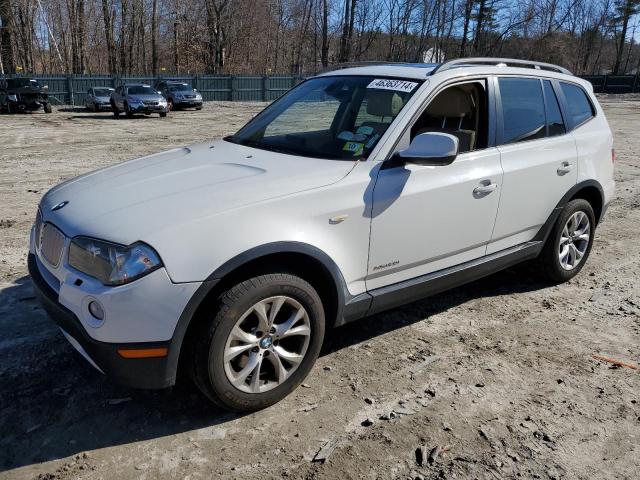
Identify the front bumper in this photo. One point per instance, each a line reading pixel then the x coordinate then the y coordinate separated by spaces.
pixel 26 106
pixel 149 373
pixel 188 103
pixel 136 108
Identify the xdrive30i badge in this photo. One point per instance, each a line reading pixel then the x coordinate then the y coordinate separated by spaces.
pixel 59 206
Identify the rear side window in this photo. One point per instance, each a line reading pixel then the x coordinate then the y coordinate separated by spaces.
pixel 579 105
pixel 555 124
pixel 522 109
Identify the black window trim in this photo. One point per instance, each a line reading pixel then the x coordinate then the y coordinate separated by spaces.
pixel 563 113
pixel 568 121
pixel 565 104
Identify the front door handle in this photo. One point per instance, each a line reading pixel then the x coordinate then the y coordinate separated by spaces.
pixel 485 188
pixel 564 168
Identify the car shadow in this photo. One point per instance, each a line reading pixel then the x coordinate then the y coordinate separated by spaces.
pixel 54 405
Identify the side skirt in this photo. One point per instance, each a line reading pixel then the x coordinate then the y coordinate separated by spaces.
pixel 392 296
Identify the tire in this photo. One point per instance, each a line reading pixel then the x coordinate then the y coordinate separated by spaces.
pixel 116 112
pixel 198 108
pixel 557 270
pixel 47 108
pixel 163 114
pixel 235 310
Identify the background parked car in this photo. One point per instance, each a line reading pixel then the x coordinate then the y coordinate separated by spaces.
pixel 23 94
pixel 138 98
pixel 180 95
pixel 99 98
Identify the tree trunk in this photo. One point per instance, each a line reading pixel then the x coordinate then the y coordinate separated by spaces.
pixel 7 53
pixel 325 34
pixel 154 37
pixel 108 33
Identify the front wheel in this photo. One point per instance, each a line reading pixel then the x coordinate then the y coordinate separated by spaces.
pixel 569 242
pixel 163 114
pixel 261 342
pixel 47 108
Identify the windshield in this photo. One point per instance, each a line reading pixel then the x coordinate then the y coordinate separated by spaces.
pixel 141 90
pixel 334 117
pixel 102 92
pixel 22 82
pixel 183 87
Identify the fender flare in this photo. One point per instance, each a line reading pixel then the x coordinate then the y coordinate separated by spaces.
pixel 231 265
pixel 545 230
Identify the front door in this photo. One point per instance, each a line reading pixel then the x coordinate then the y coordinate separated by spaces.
pixel 427 218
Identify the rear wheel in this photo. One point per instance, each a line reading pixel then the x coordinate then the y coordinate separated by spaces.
pixel 569 242
pixel 261 342
pixel 47 108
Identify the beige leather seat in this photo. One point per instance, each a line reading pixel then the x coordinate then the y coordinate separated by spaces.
pixel 449 108
pixel 385 104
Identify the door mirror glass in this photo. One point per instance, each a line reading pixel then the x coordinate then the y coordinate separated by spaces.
pixel 431 148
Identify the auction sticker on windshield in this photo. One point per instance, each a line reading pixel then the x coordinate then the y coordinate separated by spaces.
pixel 389 84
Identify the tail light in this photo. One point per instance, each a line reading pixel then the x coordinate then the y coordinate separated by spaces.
pixel 613 155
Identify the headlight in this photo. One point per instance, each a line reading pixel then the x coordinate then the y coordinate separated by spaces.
pixel 13 98
pixel 198 96
pixel 111 263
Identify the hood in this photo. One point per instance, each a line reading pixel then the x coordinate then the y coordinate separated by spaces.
pixel 137 199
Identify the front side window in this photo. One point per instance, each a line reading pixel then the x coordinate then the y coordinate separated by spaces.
pixel 522 109
pixel 461 111
pixel 333 117
pixel 580 108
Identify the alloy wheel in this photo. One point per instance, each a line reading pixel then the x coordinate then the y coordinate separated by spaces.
pixel 267 344
pixel 574 240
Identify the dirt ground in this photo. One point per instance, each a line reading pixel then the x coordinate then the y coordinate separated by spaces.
pixel 495 379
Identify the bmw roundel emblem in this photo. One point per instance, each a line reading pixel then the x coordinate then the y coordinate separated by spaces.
pixel 59 206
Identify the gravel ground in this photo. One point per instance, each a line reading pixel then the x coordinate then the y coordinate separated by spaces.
pixel 495 379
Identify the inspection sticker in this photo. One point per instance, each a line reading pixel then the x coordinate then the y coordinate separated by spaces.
pixel 389 84
pixel 354 147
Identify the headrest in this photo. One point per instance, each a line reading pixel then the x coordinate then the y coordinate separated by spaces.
pixel 453 102
pixel 383 103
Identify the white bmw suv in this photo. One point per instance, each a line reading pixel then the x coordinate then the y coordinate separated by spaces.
pixel 359 190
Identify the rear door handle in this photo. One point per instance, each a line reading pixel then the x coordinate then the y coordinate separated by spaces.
pixel 485 188
pixel 564 168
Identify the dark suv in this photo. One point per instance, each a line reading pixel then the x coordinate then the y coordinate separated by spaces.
pixel 180 95
pixel 23 94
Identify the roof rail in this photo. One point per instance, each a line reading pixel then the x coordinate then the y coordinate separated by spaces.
pixel 373 63
pixel 474 61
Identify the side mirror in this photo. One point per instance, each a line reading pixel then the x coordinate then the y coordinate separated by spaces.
pixel 431 149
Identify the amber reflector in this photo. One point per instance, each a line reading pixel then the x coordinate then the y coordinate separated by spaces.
pixel 143 352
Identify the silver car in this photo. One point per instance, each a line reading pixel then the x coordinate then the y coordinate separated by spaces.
pixel 98 98
pixel 138 98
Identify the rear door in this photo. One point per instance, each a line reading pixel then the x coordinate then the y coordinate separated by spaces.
pixel 538 157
